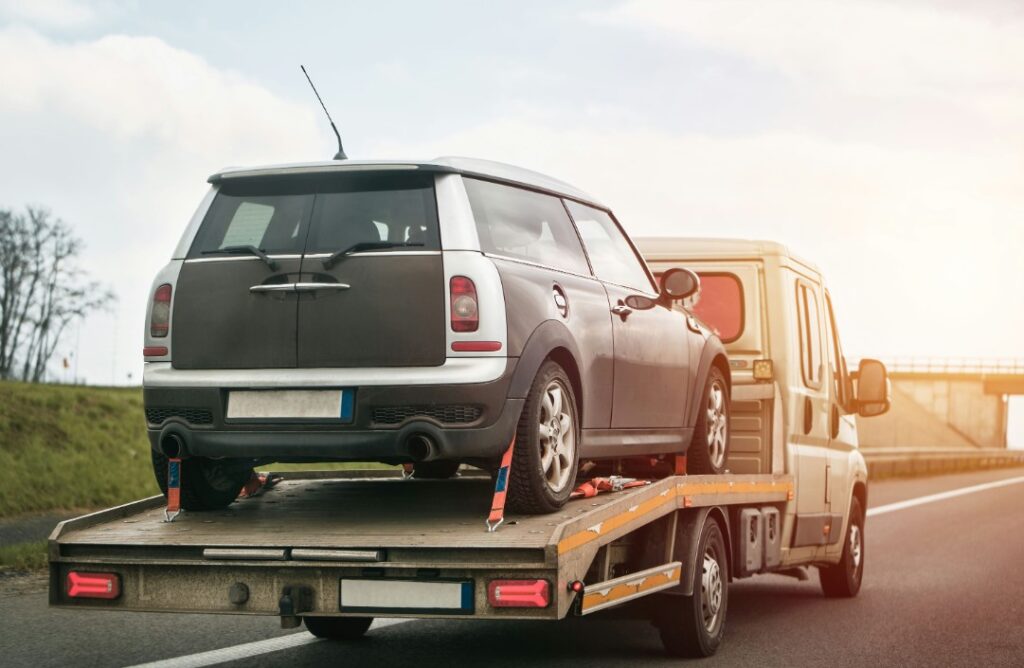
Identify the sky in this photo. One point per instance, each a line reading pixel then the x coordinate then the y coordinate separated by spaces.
pixel 882 140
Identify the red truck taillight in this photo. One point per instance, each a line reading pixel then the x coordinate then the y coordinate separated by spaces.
pixel 519 593
pixel 465 311
pixel 160 320
pixel 93 585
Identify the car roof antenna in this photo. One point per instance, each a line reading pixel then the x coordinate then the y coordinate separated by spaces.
pixel 340 155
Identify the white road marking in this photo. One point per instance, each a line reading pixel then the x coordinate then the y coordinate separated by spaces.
pixel 941 496
pixel 251 649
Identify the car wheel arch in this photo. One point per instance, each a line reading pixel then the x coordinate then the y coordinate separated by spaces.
pixel 712 355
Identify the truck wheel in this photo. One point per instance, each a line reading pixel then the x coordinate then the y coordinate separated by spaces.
pixel 206 484
pixel 843 580
pixel 709 449
pixel 440 469
pixel 338 628
pixel 546 453
pixel 692 626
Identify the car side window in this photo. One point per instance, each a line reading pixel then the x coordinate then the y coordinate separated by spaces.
pixel 611 254
pixel 525 225
pixel 810 335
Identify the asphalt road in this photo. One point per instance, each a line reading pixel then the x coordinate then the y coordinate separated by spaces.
pixel 944 585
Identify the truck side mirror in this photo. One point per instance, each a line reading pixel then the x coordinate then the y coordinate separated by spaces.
pixel 874 390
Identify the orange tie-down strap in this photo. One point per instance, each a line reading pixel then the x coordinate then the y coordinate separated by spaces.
pixel 173 508
pixel 259 483
pixel 600 485
pixel 497 515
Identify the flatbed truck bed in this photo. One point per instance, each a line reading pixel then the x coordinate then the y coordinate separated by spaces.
pixel 389 547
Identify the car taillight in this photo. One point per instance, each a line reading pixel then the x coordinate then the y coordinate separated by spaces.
pixel 519 593
pixel 93 585
pixel 465 314
pixel 160 320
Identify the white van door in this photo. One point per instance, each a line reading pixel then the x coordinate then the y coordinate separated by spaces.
pixel 842 431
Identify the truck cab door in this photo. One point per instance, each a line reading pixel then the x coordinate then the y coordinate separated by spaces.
pixel 842 431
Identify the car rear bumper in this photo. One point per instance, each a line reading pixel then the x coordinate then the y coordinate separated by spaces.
pixel 473 421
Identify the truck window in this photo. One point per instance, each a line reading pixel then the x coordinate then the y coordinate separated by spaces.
pixel 841 375
pixel 525 225
pixel 721 304
pixel 810 335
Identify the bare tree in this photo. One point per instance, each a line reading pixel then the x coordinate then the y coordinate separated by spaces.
pixel 42 290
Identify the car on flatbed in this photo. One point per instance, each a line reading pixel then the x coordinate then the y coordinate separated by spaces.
pixel 422 312
pixel 334 552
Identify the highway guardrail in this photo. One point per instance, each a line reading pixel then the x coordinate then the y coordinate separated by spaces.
pixel 909 462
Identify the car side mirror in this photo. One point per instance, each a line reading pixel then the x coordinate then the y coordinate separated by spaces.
pixel 678 283
pixel 874 390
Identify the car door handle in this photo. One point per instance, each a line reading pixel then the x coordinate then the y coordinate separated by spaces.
pixel 621 310
pixel 298 287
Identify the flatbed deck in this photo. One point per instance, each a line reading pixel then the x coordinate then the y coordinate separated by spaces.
pixel 312 530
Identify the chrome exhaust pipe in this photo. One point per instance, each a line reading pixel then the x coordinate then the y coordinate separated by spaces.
pixel 421 447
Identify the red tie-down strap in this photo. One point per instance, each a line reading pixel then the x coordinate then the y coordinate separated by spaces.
pixel 614 483
pixel 173 490
pixel 497 515
pixel 258 483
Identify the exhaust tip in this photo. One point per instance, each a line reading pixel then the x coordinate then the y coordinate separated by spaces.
pixel 421 447
pixel 172 445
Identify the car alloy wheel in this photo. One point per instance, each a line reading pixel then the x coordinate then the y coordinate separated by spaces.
pixel 557 436
pixel 717 424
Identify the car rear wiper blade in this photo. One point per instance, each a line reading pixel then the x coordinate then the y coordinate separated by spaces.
pixel 258 252
pixel 364 246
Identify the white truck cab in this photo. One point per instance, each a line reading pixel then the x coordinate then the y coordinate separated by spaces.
pixel 793 399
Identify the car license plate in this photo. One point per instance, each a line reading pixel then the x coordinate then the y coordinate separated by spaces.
pixel 291 405
pixel 392 595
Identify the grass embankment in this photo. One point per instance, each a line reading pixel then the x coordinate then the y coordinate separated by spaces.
pixel 72 448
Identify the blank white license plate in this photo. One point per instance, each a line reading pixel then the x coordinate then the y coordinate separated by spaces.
pixel 290 404
pixel 405 595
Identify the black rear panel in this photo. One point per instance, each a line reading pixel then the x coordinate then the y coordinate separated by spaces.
pixel 392 313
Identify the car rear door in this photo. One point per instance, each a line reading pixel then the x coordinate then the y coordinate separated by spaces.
pixel 227 313
pixel 375 308
pixel 652 368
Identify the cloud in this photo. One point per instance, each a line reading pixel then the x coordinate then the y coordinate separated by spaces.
pixel 963 54
pixel 117 135
pixel 48 13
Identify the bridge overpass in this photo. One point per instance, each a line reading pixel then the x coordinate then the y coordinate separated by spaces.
pixel 946 403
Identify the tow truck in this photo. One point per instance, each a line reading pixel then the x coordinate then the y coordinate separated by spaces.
pixel 336 549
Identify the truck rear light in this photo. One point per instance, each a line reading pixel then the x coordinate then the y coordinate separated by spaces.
pixel 465 311
pixel 93 585
pixel 519 593
pixel 160 320
pixel 154 351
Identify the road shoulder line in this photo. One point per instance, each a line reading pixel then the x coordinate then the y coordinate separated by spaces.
pixel 942 496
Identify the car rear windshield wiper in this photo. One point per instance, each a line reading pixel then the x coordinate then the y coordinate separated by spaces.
pixel 364 246
pixel 258 252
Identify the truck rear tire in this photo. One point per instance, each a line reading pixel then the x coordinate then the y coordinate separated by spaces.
pixel 206 484
pixel 440 469
pixel 693 626
pixel 546 454
pixel 844 579
pixel 709 449
pixel 338 628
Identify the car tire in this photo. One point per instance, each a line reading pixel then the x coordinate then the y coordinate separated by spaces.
pixel 440 469
pixel 338 628
pixel 206 484
pixel 709 449
pixel 693 626
pixel 843 580
pixel 546 455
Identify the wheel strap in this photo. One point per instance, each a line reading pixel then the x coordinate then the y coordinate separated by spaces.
pixel 173 508
pixel 497 516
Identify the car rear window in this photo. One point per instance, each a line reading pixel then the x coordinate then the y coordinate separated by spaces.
pixel 397 208
pixel 321 214
pixel 272 217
